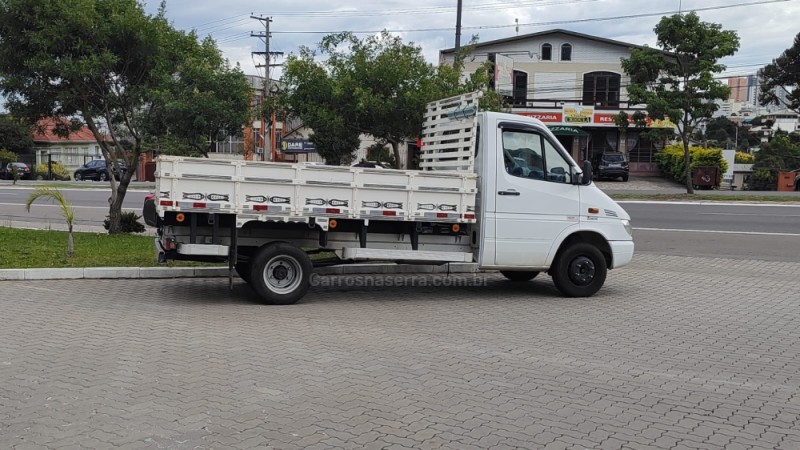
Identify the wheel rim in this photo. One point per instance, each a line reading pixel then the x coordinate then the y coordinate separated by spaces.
pixel 582 271
pixel 103 177
pixel 282 274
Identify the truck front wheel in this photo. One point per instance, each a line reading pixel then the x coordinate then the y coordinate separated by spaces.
pixel 579 271
pixel 280 273
pixel 519 276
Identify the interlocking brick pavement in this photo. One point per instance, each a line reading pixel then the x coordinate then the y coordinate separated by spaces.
pixel 674 352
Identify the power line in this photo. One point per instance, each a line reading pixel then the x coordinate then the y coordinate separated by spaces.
pixel 537 24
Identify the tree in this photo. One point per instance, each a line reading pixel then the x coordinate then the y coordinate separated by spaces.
pixel 67 210
pixel 208 101
pixel 678 81
pixel 15 135
pixel 377 86
pixel 320 100
pixel 104 63
pixel 783 74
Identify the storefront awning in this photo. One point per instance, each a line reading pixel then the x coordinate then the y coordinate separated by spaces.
pixel 564 130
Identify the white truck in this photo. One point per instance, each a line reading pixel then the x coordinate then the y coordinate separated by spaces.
pixel 494 189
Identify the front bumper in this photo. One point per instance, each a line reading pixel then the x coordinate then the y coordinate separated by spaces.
pixel 621 253
pixel 613 171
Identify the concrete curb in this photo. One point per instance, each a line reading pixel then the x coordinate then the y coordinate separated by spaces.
pixel 211 272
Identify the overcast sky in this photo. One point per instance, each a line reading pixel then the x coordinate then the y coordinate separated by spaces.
pixel 765 27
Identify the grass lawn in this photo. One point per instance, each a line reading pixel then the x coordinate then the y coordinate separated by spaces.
pixel 24 249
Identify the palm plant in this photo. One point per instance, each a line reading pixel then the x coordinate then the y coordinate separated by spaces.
pixel 55 195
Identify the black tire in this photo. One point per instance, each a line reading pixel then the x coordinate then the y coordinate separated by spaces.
pixel 103 176
pixel 244 271
pixel 580 270
pixel 78 177
pixel 519 275
pixel 280 273
pixel 625 178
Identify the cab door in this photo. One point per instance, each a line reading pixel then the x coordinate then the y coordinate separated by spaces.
pixel 535 198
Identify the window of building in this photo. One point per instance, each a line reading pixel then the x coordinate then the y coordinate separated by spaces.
pixel 547 52
pixel 566 52
pixel 601 89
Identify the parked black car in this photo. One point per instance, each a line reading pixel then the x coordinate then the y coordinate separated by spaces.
pixel 7 173
pixel 98 170
pixel 610 165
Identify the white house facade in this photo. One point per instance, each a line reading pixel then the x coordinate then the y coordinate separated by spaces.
pixel 574 83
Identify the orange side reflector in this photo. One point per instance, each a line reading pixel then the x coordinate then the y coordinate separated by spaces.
pixel 332 223
pixel 180 217
pixel 594 210
pixel 456 228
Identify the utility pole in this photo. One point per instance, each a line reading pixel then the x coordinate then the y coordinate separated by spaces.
pixel 267 91
pixel 458 27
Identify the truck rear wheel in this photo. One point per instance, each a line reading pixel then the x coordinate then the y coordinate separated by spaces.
pixel 580 270
pixel 519 276
pixel 280 273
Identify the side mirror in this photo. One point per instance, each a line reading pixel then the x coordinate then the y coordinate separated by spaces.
pixel 587 173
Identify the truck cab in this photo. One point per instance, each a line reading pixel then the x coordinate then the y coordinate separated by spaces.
pixel 540 211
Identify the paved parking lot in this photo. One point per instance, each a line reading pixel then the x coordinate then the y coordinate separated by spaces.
pixel 674 353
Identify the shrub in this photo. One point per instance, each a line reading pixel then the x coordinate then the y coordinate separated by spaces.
pixel 129 223
pixel 671 162
pixel 59 172
pixel 763 180
pixel 744 158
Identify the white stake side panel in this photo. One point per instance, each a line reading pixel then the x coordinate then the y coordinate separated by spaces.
pixel 448 136
pixel 297 192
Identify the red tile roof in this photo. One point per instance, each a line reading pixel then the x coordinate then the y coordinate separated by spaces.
pixel 47 136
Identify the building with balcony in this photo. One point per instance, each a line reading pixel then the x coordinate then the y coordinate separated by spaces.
pixel 574 83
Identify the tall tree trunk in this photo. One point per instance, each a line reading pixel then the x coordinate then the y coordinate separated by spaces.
pixel 396 150
pixel 687 162
pixel 118 196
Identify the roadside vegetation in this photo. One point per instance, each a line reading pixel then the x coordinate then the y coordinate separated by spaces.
pixel 706 197
pixel 25 249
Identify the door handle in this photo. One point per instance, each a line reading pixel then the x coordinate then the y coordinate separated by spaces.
pixel 508 193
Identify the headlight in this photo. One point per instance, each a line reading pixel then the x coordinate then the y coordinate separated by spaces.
pixel 628 228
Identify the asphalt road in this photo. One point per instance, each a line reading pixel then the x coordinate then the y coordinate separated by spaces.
pixel 90 203
pixel 736 231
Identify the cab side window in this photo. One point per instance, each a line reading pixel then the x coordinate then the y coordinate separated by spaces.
pixel 529 154
pixel 523 154
pixel 557 166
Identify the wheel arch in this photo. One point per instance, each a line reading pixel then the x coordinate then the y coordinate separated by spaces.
pixel 585 236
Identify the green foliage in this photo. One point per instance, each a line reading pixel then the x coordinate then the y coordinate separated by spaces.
pixel 15 135
pixel 59 171
pixel 15 174
pixel 111 65
pixel 779 154
pixel 763 180
pixel 206 102
pixel 42 248
pixel 7 156
pixel 129 222
pixel 744 158
pixel 782 74
pixel 379 153
pixel 377 86
pixel 671 161
pixel 67 211
pixel 678 81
